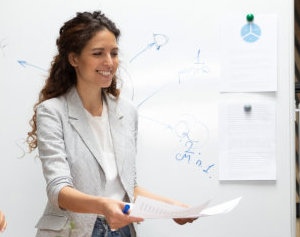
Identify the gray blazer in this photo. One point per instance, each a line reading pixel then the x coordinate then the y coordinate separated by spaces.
pixel 70 157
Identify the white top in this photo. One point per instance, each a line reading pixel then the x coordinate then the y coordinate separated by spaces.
pixel 101 129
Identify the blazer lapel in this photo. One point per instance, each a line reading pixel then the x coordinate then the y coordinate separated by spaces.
pixel 79 121
pixel 115 117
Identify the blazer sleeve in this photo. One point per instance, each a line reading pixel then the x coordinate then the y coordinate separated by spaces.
pixel 52 151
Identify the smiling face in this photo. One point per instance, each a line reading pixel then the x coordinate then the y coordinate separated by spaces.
pixel 98 61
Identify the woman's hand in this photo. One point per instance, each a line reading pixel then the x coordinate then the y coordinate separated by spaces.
pixel 142 192
pixel 2 222
pixel 116 219
pixel 182 221
pixel 71 199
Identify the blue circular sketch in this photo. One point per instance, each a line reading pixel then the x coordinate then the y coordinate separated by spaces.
pixel 250 32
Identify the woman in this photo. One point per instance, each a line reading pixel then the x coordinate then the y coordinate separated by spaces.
pixel 86 135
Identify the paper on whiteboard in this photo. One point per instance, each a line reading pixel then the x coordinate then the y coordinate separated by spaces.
pixel 152 209
pixel 249 54
pixel 247 141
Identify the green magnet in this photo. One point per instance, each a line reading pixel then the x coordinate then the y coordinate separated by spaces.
pixel 250 17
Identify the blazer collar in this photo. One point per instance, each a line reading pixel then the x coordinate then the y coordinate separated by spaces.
pixel 76 109
pixel 79 120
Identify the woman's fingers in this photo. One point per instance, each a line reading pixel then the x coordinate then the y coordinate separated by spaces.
pixel 3 223
pixel 179 221
pixel 115 216
pixel 182 221
pixel 135 219
pixel 4 227
pixel 122 220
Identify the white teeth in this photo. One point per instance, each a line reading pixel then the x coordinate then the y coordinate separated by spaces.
pixel 104 73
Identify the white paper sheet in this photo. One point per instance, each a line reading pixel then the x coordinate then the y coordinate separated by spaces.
pixel 249 54
pixel 247 141
pixel 149 208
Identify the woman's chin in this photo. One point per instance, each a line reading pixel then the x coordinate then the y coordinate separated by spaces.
pixel 106 84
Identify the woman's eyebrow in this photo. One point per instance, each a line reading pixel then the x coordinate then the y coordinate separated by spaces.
pixel 94 49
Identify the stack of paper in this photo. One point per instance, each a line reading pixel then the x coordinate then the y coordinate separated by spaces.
pixel 149 208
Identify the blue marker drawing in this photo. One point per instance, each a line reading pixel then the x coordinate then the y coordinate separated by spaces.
pixel 187 153
pixel 3 45
pixel 199 162
pixel 151 95
pixel 189 127
pixel 180 157
pixel 192 153
pixel 250 32
pixel 163 124
pixel 185 130
pixel 24 64
pixel 198 68
pixel 209 167
pixel 159 40
pixel 195 70
pixel 198 57
pixel 127 84
pixel 189 147
pixel 148 97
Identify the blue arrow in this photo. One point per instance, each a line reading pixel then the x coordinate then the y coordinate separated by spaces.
pixel 24 64
pixel 149 46
pixel 153 94
pixel 163 124
pixel 198 57
pixel 159 40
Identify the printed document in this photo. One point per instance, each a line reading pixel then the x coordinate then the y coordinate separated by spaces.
pixel 247 141
pixel 149 208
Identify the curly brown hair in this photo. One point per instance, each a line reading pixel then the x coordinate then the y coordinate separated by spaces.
pixel 73 36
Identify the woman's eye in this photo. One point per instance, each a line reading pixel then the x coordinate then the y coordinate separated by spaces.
pixel 97 54
pixel 114 54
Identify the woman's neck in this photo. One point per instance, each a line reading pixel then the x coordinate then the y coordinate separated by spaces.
pixel 91 99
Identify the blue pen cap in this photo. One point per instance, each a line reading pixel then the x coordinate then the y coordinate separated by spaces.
pixel 126 209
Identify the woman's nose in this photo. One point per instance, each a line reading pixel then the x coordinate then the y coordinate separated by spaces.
pixel 108 60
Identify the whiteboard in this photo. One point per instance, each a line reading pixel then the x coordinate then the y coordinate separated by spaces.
pixel 159 45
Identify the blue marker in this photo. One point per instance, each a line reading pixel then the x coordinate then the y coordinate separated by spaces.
pixel 126 209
